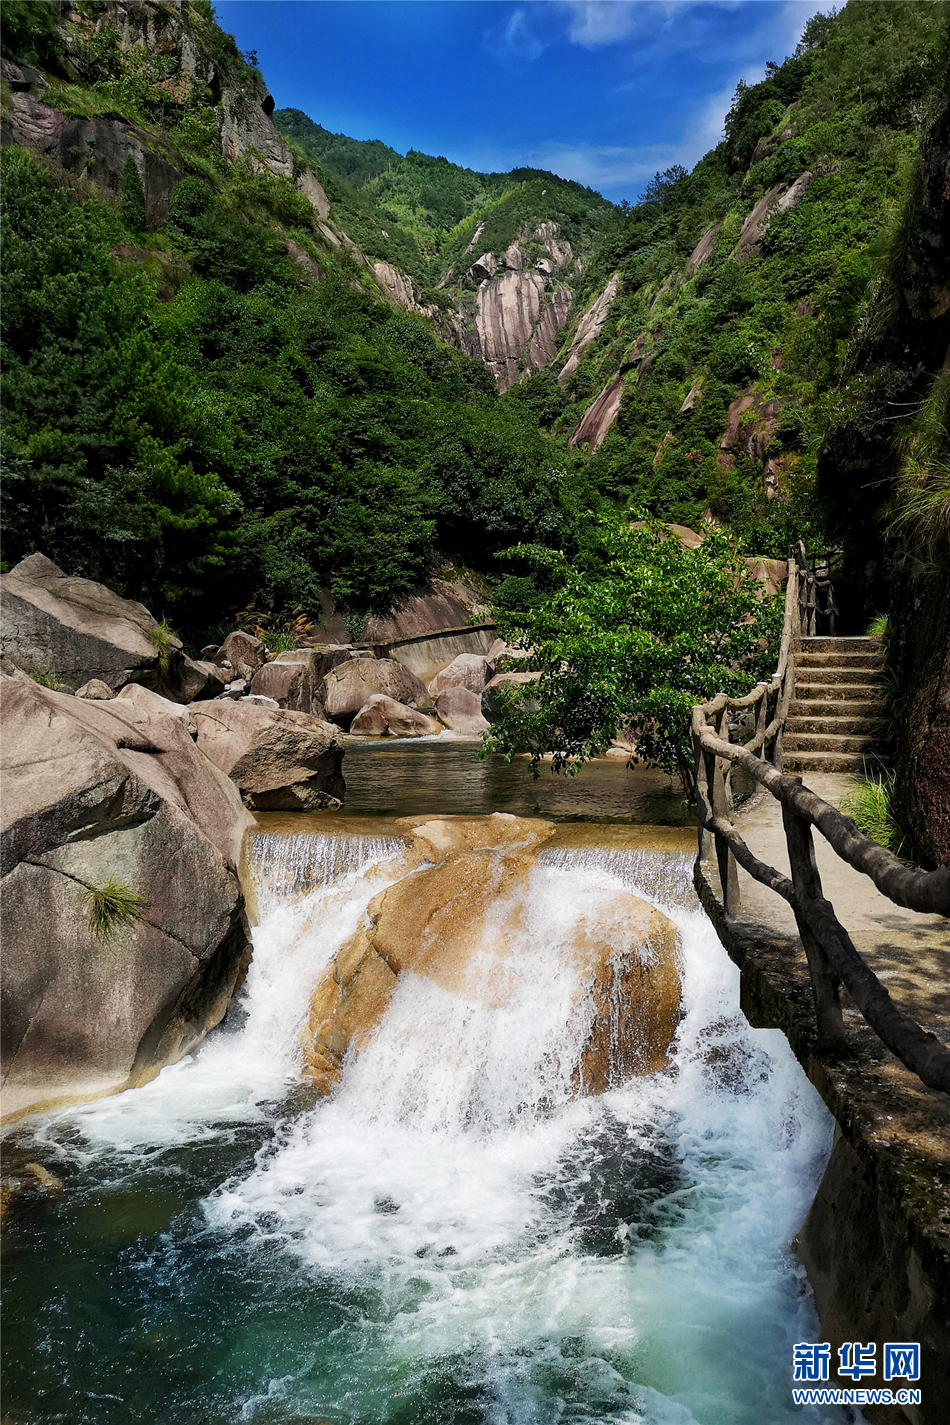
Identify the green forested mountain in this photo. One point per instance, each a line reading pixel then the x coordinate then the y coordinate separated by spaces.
pixel 210 390
pixel 441 204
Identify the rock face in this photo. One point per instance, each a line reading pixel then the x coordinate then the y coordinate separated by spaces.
pixel 590 327
pixel 101 799
pixel 456 922
pixel 599 417
pixel 778 199
pixel 75 626
pixel 278 759
pixel 349 687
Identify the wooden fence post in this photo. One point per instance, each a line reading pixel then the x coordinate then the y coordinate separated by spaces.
pixel 722 807
pixel 807 883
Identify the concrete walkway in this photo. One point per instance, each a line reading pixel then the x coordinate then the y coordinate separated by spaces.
pixel 910 953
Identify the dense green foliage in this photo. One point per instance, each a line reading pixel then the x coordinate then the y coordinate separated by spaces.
pixel 437 204
pixel 782 323
pixel 251 439
pixel 226 408
pixel 630 647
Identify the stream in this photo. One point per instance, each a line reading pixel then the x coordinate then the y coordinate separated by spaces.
pixel 452 1238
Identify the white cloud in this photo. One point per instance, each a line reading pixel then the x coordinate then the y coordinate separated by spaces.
pixel 519 38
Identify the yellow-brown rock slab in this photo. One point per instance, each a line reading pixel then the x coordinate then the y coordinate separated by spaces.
pixel 457 919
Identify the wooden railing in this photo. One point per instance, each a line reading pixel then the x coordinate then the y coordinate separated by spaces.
pixel 833 961
pixel 816 592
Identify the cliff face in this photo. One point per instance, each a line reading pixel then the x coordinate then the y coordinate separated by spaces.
pixel 918 648
pixel 521 304
pixel 180 44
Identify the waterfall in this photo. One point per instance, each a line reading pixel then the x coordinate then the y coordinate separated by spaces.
pixel 453 1237
pixel 289 866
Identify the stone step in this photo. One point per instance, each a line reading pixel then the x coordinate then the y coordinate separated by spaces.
pixel 809 659
pixel 852 726
pixel 828 742
pixel 839 645
pixel 826 705
pixel 806 762
pixel 836 692
pixel 830 676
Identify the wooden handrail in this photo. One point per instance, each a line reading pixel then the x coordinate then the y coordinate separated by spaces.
pixel 832 958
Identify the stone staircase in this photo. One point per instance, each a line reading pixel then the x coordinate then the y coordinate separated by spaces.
pixel 831 724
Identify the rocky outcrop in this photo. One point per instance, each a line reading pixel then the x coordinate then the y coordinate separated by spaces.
pixel 776 200
pixel 349 687
pixel 278 759
pixel 75 626
pixel 382 716
pixel 705 247
pixel 599 417
pixel 520 306
pixel 122 841
pixel 590 327
pixel 454 924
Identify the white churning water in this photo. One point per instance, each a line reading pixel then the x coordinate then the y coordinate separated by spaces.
pixel 538 1258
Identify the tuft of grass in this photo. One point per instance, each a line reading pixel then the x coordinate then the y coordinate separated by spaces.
pixel 869 805
pixel 877 628
pixel 110 908
pixel 44 675
pixel 164 638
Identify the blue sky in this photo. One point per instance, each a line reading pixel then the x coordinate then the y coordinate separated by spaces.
pixel 602 91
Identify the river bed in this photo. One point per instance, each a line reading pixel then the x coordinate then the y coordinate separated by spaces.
pixel 452 1238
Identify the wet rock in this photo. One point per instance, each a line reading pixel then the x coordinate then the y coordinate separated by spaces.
pixel 351 685
pixel 100 794
pixel 279 760
pixel 454 923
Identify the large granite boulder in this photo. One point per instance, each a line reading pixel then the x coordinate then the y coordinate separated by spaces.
pixel 295 678
pixel 461 712
pixel 240 655
pixel 124 926
pixel 279 760
pixel 456 918
pixel 502 686
pixel 468 670
pixel 83 632
pixel 349 687
pixel 383 715
pixel 76 627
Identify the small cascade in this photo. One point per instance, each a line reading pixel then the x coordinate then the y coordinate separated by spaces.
pixel 286 867
pixel 664 877
pixel 452 1237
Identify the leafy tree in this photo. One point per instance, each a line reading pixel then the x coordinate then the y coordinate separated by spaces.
pixel 634 645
